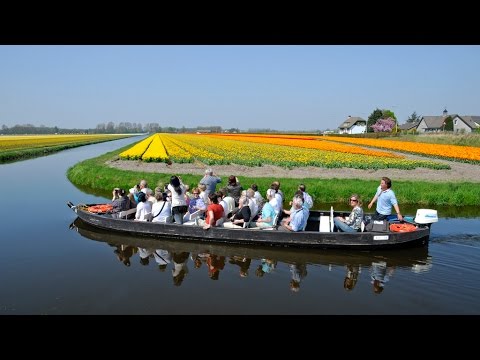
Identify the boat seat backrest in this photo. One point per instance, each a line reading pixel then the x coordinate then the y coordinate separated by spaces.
pixel 124 214
pixel 274 223
pixel 275 220
pixel 324 223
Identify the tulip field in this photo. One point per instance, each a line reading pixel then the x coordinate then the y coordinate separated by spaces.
pixel 281 150
pixel 26 146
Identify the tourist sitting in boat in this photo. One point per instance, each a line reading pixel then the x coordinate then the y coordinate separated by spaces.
pixel 150 196
pixel 203 194
pixel 144 187
pixel 354 221
pixel 120 201
pixel 252 204
pixel 278 195
pixel 143 208
pixel 162 209
pixel 298 218
pixel 307 199
pixel 214 212
pixel 258 197
pixel 234 189
pixel 196 203
pixel 242 215
pixel 268 213
pixel 229 202
pixel 298 194
pixel 134 191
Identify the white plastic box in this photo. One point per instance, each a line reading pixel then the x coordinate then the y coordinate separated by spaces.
pixel 426 216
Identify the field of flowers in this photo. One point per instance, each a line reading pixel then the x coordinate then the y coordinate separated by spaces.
pixel 13 148
pixel 8 143
pixel 441 151
pixel 256 150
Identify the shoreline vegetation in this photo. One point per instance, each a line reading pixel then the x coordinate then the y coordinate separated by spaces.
pixel 18 147
pixel 95 174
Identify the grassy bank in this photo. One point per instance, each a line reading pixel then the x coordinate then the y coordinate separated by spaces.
pixel 94 174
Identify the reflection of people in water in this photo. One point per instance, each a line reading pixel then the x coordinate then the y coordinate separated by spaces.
pixel 199 259
pixel 267 266
pixel 215 264
pixel 124 253
pixel 243 262
pixel 163 258
pixel 351 277
pixel 380 274
pixel 145 255
pixel 180 268
pixel 299 271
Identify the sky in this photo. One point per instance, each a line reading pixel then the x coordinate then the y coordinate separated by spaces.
pixel 290 87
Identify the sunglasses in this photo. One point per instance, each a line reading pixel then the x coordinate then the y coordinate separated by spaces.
pixel 353 200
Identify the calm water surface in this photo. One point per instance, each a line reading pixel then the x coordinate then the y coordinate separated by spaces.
pixel 52 263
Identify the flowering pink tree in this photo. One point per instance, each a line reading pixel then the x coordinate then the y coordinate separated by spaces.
pixel 384 125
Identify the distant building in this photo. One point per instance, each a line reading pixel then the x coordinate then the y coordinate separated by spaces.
pixel 466 123
pixel 463 123
pixel 409 126
pixel 353 125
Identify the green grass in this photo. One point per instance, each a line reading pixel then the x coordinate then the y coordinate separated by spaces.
pixel 95 175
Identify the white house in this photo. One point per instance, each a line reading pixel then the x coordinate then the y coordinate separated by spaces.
pixel 465 123
pixel 353 125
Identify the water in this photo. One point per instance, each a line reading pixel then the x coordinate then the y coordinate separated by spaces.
pixel 48 268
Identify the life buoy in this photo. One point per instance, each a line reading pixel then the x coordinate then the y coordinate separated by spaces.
pixel 101 208
pixel 405 227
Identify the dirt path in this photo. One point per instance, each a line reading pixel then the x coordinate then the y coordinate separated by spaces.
pixel 458 172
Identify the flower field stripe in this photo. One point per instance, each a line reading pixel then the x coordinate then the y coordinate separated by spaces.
pixel 454 152
pixel 156 151
pixel 195 151
pixel 308 143
pixel 175 152
pixel 136 151
pixel 8 143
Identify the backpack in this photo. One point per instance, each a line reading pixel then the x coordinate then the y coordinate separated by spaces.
pixel 377 226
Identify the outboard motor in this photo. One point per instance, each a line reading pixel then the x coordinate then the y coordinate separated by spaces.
pixel 426 217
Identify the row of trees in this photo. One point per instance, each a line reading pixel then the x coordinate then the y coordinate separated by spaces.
pixel 109 128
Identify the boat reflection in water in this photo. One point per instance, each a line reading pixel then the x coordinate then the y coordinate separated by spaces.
pixel 380 265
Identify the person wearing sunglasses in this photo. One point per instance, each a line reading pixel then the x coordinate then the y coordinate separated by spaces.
pixel 354 220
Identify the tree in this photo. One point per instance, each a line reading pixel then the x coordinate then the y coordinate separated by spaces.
pixel 448 124
pixel 384 125
pixel 388 114
pixel 413 118
pixel 373 118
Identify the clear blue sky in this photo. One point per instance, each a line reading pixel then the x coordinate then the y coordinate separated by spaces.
pixel 277 87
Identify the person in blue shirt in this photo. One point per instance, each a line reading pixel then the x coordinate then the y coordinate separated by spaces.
pixel 385 198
